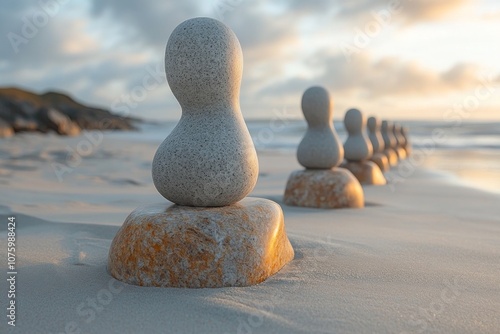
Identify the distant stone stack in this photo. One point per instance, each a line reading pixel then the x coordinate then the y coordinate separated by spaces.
pixel 322 184
pixel 399 143
pixel 389 143
pixel 358 150
pixel 212 236
pixel 378 157
pixel 406 140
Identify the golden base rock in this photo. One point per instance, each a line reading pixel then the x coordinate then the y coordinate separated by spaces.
pixel 401 152
pixel 391 156
pixel 367 172
pixel 408 150
pixel 381 161
pixel 324 188
pixel 196 247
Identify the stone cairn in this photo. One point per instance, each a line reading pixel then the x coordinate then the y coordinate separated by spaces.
pixel 358 150
pixel 398 133
pixel 399 143
pixel 389 143
pixel 406 140
pixel 322 184
pixel 212 236
pixel 378 157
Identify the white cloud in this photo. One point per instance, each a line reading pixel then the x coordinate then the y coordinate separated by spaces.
pixel 100 50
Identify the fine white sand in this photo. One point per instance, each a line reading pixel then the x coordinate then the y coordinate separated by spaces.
pixel 423 256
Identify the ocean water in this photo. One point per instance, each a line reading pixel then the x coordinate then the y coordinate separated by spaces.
pixel 469 153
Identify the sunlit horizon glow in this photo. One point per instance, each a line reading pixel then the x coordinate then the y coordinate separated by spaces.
pixel 425 60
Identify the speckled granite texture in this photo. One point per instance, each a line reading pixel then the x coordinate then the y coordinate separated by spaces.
pixel 320 148
pixel 209 158
pixel 326 189
pixel 213 236
pixel 177 246
pixel 367 172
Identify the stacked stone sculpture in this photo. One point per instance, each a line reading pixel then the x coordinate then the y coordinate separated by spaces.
pixel 322 184
pixel 389 143
pixel 406 140
pixel 358 150
pixel 374 126
pixel 212 236
pixel 400 151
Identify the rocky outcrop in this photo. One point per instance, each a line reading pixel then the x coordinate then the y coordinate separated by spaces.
pixel 5 129
pixel 22 111
pixel 56 121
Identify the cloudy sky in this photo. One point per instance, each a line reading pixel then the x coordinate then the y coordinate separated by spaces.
pixel 401 59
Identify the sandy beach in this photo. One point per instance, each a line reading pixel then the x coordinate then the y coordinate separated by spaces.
pixel 421 257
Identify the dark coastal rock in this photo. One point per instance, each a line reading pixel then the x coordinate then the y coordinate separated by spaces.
pixel 5 129
pixel 56 121
pixel 21 124
pixel 87 117
pixel 25 111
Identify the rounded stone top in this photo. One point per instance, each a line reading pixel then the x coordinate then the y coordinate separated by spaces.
pixel 317 106
pixel 375 136
pixel 320 147
pixel 404 133
pixel 204 64
pixel 389 139
pixel 373 124
pixel 354 121
pixel 209 158
pixel 357 146
pixel 396 130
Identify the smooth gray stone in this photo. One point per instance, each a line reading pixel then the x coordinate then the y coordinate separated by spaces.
pixel 209 158
pixel 374 125
pixel 357 146
pixel 407 144
pixel 389 139
pixel 404 135
pixel 320 148
pixel 396 130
